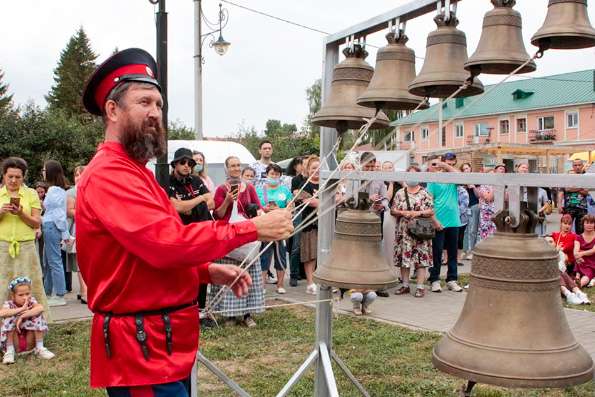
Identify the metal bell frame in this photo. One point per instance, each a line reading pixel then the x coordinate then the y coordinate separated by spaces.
pixel 321 356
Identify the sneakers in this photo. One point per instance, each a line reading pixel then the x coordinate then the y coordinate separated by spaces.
pixel 454 286
pixel 436 286
pixel 8 358
pixel 281 290
pixel 56 301
pixel 583 297
pixel 591 283
pixel 271 280
pixel 312 289
pixel 44 353
pixel 293 282
pixel 572 299
pixel 249 322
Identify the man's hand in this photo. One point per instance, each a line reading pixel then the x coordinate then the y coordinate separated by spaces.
pixel 274 226
pixel 226 275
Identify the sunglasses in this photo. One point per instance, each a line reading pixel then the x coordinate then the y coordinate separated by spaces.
pixel 190 163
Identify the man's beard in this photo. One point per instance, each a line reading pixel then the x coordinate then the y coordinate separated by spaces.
pixel 143 141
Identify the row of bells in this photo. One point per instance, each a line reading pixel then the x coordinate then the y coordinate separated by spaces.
pixel 358 92
pixel 512 331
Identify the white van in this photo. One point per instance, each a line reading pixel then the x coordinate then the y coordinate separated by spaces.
pixel 215 154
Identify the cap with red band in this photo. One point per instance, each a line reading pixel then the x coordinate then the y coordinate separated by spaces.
pixel 131 65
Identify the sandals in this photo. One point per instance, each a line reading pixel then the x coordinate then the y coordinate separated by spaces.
pixel 420 292
pixel 403 290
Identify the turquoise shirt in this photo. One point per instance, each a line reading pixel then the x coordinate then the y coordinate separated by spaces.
pixel 446 203
pixel 280 195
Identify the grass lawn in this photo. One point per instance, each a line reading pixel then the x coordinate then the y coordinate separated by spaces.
pixel 388 360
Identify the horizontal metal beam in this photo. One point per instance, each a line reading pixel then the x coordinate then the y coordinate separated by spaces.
pixel 405 12
pixel 586 181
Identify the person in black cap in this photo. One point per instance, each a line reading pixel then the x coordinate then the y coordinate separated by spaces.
pixel 141 263
pixel 193 201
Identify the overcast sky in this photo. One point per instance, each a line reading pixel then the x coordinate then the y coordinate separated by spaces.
pixel 268 67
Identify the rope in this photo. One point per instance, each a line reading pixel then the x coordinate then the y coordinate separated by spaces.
pixel 253 308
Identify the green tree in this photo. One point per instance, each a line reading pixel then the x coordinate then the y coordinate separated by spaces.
pixel 5 99
pixel 76 64
pixel 314 98
pixel 178 131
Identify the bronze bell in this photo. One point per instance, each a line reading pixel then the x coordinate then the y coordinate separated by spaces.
pixel 443 71
pixel 566 26
pixel 512 331
pixel 350 79
pixel 501 49
pixel 356 259
pixel 395 70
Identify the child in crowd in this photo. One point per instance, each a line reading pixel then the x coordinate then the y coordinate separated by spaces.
pixel 23 325
pixel 362 299
pixel 568 288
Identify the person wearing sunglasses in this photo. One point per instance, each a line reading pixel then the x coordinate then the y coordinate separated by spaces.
pixel 193 202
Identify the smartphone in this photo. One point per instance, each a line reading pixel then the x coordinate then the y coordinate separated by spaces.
pixel 234 189
pixel 16 201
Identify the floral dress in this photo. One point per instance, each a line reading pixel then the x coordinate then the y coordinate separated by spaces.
pixel 486 227
pixel 409 251
pixel 36 323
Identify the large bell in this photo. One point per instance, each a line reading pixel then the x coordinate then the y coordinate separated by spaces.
pixel 566 26
pixel 350 79
pixel 443 71
pixel 512 331
pixel 356 259
pixel 395 70
pixel 501 49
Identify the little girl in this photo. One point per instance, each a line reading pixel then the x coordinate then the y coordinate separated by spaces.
pixel 23 325
pixel 362 299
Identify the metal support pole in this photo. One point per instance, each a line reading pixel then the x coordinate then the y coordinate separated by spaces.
pixel 162 167
pixel 198 69
pixel 440 122
pixel 300 372
pixel 326 223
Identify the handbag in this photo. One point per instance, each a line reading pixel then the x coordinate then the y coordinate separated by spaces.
pixel 420 228
pixel 247 252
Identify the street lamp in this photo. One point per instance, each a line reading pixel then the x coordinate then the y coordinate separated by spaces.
pixel 220 46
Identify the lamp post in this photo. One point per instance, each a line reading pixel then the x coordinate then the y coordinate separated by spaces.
pixel 220 45
pixel 162 167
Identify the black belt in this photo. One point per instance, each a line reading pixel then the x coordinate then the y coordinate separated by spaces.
pixel 141 335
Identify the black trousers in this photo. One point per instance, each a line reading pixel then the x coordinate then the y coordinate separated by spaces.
pixel 445 239
pixel 577 215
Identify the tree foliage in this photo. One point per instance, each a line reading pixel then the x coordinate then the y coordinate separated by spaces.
pixel 38 135
pixel 76 64
pixel 5 98
pixel 314 98
pixel 178 131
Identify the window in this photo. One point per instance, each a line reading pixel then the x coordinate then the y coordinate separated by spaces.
pixel 459 102
pixel 572 119
pixel 425 133
pixel 481 130
pixel 410 136
pixel 520 94
pixel 504 126
pixel 545 123
pixel 459 131
pixel 521 125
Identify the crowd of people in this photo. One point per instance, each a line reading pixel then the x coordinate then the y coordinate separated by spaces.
pixel 37 232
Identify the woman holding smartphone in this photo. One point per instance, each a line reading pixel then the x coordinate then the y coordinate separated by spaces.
pixel 234 190
pixel 274 195
pixel 20 215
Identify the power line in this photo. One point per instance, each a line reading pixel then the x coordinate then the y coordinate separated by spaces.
pixel 275 17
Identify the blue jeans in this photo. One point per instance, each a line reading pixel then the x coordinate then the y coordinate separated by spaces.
pixel 277 251
pixel 53 276
pixel 471 232
pixel 173 389
pixel 445 240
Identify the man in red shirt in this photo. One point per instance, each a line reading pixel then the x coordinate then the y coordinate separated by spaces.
pixel 142 265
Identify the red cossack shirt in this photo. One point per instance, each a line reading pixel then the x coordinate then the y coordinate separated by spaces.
pixel 136 255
